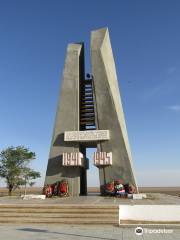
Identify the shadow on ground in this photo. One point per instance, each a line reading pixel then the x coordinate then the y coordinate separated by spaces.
pixel 62 233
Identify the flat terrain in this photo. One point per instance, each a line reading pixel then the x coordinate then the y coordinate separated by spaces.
pixel 37 190
pixel 94 199
pixel 166 190
pixel 74 232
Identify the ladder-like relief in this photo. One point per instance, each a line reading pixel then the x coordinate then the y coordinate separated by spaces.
pixel 87 113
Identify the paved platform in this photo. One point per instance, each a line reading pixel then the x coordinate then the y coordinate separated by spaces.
pixel 88 210
pixel 152 198
pixel 72 232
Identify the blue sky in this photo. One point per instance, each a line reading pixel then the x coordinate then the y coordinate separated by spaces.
pixel 145 39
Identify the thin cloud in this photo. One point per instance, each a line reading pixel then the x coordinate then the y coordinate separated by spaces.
pixel 154 91
pixel 166 86
pixel 174 108
pixel 171 70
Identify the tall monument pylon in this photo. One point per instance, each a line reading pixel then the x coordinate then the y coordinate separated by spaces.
pixel 90 114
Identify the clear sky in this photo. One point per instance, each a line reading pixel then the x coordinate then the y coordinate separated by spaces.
pixel 145 37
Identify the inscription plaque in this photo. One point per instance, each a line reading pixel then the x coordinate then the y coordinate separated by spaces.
pixel 85 136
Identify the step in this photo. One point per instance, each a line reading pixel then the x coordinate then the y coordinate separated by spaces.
pixel 88 114
pixel 58 206
pixel 83 119
pixel 87 111
pixel 41 210
pixel 58 215
pixel 58 220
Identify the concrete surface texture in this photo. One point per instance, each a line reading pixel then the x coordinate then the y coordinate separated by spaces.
pixel 67 119
pixel 95 200
pixel 109 110
pixel 74 232
pixel 87 210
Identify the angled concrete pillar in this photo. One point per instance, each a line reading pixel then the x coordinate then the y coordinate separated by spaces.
pixel 109 111
pixel 67 119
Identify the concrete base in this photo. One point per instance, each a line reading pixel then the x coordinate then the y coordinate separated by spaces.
pixel 149 213
pixel 90 210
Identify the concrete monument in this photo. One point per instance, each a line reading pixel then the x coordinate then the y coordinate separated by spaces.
pixel 90 114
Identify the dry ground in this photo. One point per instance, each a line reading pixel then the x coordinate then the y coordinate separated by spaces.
pixel 37 190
